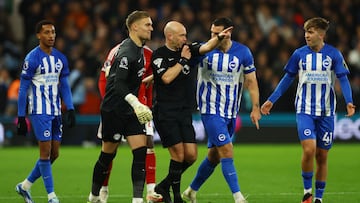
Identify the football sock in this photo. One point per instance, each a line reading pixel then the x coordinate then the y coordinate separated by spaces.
pixel 307 181
pixel 238 196
pixel 150 166
pixel 51 195
pixel 204 171
pixel 319 189
pixel 175 171
pixel 101 170
pixel 45 170
pixel 35 173
pixel 229 172
pixel 26 184
pixel 106 181
pixel 138 171
pixel 185 165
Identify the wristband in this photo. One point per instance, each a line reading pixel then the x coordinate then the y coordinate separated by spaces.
pixel 183 61
pixel 220 37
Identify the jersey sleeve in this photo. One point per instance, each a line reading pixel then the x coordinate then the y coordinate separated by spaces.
pixel 248 61
pixel 159 64
pixel 340 66
pixel 65 71
pixel 292 64
pixel 102 83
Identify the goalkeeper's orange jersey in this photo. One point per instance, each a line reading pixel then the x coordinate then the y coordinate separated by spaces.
pixel 145 92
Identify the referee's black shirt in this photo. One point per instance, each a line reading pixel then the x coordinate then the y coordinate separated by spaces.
pixel 180 93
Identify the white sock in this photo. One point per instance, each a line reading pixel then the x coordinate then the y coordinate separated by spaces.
pixel 238 196
pixel 137 200
pixel 308 191
pixel 106 188
pixel 26 184
pixel 150 187
pixel 51 195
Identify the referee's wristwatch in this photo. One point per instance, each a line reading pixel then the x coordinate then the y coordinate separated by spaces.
pixel 183 61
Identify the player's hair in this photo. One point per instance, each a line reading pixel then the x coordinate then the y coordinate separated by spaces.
pixel 317 23
pixel 135 16
pixel 39 25
pixel 226 22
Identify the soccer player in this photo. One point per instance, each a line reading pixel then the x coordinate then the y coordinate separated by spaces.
pixel 222 75
pixel 43 83
pixel 173 108
pixel 316 64
pixel 145 97
pixel 121 111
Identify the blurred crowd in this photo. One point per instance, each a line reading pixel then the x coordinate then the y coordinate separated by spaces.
pixel 87 29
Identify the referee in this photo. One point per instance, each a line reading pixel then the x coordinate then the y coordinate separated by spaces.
pixel 174 90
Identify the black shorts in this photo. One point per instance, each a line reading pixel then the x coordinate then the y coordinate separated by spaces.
pixel 115 125
pixel 174 127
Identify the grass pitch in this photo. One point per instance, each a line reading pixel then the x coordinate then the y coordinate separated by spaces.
pixel 267 174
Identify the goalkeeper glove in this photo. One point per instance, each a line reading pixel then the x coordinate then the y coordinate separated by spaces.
pixel 21 126
pixel 143 113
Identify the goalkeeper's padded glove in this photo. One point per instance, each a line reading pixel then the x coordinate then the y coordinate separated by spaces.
pixel 70 120
pixel 21 126
pixel 107 70
pixel 143 113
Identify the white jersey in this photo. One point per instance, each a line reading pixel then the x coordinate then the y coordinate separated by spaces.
pixel 220 80
pixel 315 92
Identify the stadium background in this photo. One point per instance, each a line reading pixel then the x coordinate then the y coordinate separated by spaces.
pixel 87 29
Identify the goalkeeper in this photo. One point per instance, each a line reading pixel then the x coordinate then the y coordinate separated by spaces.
pixel 121 111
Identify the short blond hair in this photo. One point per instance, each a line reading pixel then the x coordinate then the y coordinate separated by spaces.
pixel 135 16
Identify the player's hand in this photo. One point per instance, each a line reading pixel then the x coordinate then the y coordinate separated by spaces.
pixel 148 80
pixel 350 108
pixel 143 113
pixel 21 126
pixel 266 107
pixel 255 116
pixel 226 33
pixel 70 119
pixel 185 52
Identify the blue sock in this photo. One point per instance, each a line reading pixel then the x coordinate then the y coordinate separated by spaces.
pixel 35 173
pixel 45 170
pixel 229 172
pixel 307 179
pixel 319 189
pixel 204 171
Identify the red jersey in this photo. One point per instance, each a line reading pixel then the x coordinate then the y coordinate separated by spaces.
pixel 145 93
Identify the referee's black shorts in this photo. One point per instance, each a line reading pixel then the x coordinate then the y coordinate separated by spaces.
pixel 174 127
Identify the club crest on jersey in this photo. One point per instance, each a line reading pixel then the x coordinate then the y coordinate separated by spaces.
pixel 232 65
pixel 124 63
pixel 327 62
pixel 58 65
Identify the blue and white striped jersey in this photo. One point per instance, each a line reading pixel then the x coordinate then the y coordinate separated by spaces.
pixel 44 71
pixel 315 92
pixel 220 80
